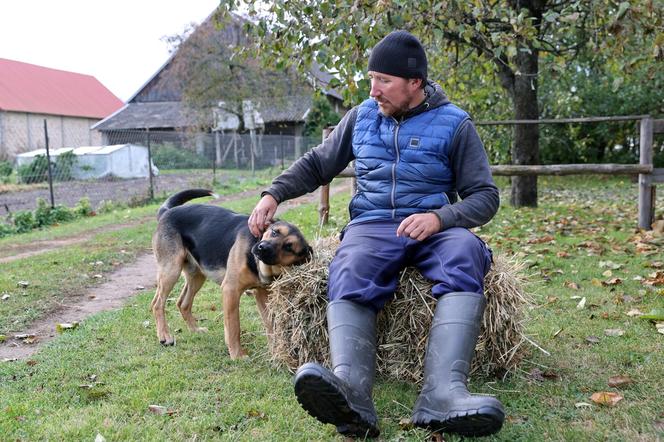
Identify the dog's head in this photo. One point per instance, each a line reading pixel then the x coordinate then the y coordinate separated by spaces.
pixel 282 244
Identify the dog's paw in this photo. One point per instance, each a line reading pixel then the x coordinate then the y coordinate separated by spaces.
pixel 240 354
pixel 167 342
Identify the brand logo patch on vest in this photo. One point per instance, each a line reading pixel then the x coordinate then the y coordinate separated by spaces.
pixel 414 142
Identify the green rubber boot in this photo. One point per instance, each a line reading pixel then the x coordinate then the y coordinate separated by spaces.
pixel 445 403
pixel 342 397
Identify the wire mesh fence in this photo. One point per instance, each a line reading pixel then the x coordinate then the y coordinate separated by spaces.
pixel 132 166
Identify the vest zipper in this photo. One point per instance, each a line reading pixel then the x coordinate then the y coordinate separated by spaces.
pixel 394 168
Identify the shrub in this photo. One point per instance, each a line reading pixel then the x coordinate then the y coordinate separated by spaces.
pixel 24 221
pixel 83 208
pixel 42 214
pixel 64 164
pixel 35 172
pixel 45 215
pixel 108 206
pixel 6 229
pixel 5 169
pixel 171 157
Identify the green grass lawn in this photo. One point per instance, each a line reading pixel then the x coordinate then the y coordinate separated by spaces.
pixel 581 242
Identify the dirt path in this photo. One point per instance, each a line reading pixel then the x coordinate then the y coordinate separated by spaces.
pixel 119 286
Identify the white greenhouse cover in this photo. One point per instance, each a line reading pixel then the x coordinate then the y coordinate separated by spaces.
pixel 119 160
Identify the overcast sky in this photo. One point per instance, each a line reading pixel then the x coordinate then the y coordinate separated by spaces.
pixel 119 42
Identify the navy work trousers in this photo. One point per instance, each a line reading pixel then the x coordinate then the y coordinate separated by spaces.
pixel 367 264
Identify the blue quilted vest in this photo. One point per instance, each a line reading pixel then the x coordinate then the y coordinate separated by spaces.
pixel 402 168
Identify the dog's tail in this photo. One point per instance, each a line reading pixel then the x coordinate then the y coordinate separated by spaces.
pixel 182 197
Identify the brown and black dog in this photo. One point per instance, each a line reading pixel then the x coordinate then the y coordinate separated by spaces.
pixel 209 242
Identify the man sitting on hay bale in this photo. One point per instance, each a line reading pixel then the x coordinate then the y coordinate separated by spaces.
pixel 413 151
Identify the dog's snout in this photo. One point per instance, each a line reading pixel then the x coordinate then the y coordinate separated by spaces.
pixel 262 246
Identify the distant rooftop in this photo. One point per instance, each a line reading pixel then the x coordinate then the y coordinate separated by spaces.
pixel 30 88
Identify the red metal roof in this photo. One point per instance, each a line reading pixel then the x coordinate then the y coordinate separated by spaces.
pixel 30 88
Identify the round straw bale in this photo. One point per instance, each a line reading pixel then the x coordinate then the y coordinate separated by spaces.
pixel 298 305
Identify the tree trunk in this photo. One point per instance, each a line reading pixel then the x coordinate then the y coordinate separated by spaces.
pixel 525 149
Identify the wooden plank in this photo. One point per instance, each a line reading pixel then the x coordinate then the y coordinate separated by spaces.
pixel 555 169
pixel 324 201
pixel 657 176
pixel 646 194
pixel 571 169
pixel 562 120
pixel 658 126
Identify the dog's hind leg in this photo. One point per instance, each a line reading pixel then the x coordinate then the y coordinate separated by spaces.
pixel 167 276
pixel 194 282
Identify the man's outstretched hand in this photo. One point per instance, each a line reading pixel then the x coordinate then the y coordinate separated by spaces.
pixel 261 216
pixel 419 226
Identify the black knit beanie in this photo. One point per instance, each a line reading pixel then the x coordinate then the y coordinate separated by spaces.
pixel 400 54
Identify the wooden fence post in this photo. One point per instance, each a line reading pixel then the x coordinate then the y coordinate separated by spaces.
pixel 324 205
pixel 646 189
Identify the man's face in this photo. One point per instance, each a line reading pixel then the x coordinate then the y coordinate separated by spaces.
pixel 394 95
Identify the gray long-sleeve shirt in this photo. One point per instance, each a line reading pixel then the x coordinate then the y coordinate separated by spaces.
pixel 468 161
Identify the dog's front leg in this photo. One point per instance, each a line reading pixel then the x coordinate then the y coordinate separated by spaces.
pixel 261 295
pixel 231 301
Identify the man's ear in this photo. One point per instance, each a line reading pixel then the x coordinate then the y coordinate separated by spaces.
pixel 417 83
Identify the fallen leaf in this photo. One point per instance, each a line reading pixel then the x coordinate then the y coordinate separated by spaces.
pixel 541 240
pixel 256 414
pixel 572 285
pixel 660 327
pixel 612 281
pixel 160 410
pixel 607 273
pixel 538 375
pixel 634 312
pixel 656 278
pixel 100 438
pixel 3 338
pixel 436 437
pixel 5 297
pixel 609 265
pixel 23 284
pixel 592 339
pixel 64 326
pixel 614 332
pixel 619 381
pixel 31 362
pixel 406 424
pixel 581 304
pixel 517 420
pixel 658 226
pixel 582 404
pixel 656 265
pixel 606 398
